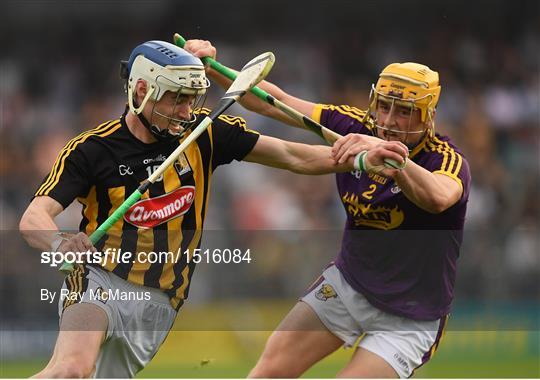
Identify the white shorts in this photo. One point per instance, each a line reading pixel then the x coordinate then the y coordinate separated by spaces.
pixel 404 343
pixel 139 319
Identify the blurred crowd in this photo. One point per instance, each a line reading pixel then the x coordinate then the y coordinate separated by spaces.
pixel 57 84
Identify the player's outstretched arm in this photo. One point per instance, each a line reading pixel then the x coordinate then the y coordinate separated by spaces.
pixel 201 49
pixel 296 157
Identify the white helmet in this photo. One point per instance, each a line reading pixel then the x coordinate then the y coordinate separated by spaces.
pixel 165 67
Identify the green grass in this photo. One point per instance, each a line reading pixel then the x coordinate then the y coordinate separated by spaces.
pixel 438 367
pixel 461 354
pixel 19 369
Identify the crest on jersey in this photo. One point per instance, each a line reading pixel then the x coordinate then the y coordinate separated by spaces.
pixel 148 213
pixel 370 215
pixel 325 292
pixel 182 165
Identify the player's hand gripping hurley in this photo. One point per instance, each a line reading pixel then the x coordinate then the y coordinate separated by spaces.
pixel 252 73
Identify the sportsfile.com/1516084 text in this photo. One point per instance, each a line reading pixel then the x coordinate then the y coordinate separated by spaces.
pixel 117 256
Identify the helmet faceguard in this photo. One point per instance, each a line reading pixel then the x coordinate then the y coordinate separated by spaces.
pixel 165 67
pixel 402 88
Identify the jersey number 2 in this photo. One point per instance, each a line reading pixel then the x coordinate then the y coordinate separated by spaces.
pixel 368 194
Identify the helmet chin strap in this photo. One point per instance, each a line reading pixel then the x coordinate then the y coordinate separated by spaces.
pixel 161 135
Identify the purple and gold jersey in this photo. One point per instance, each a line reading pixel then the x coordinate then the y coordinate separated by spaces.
pixel 400 257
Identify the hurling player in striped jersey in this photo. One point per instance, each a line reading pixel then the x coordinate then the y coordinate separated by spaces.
pixel 114 315
pixel 390 286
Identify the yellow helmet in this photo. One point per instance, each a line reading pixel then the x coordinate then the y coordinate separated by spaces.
pixel 411 83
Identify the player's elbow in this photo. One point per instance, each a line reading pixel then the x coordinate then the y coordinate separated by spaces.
pixel 25 224
pixel 440 198
pixel 439 204
pixel 443 200
pixel 435 208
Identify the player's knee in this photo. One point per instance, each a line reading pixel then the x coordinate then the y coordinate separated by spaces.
pixel 77 371
pixel 273 364
pixel 269 369
pixel 74 367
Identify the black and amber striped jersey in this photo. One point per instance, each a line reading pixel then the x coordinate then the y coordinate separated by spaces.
pixel 103 166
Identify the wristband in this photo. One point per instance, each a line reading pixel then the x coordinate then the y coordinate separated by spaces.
pixel 359 161
pixel 60 238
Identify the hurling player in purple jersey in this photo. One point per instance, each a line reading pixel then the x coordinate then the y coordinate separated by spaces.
pixel 391 285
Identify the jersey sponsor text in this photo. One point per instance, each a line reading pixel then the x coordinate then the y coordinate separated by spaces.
pixel 152 212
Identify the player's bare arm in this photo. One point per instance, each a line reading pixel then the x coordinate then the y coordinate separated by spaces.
pixel 200 48
pixel 40 231
pixel 432 192
pixel 298 158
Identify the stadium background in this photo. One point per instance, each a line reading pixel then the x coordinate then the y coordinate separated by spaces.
pixel 59 76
